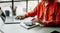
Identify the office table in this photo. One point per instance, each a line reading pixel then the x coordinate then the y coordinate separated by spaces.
pixel 16 28
pixel 1 23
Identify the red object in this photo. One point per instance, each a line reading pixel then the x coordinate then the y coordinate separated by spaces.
pixel 52 13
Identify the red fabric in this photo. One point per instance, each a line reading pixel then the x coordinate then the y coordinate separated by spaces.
pixel 51 8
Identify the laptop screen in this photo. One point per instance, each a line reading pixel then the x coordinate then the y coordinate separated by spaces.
pixel 3 16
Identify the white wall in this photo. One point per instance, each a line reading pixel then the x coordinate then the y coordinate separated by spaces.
pixel 5 4
pixel 21 6
pixel 5 0
pixel 32 5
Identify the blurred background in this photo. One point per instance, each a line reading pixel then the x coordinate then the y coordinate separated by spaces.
pixel 18 6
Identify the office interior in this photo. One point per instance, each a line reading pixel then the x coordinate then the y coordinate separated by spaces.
pixel 20 7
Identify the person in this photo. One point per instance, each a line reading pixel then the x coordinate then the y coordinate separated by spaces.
pixel 47 12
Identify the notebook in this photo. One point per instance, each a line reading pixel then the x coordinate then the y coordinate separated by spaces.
pixel 28 25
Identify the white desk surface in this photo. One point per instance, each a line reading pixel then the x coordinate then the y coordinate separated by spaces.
pixel 1 23
pixel 16 28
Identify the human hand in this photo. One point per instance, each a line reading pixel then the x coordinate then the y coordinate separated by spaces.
pixel 20 17
pixel 37 21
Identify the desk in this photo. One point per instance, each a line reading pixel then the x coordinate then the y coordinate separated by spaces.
pixel 16 28
pixel 1 23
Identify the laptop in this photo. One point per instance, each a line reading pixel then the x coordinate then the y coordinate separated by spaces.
pixel 10 19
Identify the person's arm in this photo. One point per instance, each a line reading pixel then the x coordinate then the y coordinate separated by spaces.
pixel 34 12
pixel 31 13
